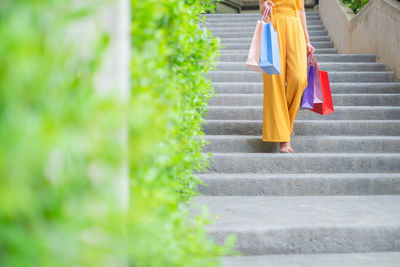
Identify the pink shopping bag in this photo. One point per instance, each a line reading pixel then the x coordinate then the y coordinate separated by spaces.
pixel 318 96
pixel 253 59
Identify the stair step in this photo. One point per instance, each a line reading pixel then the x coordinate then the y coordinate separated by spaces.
pixel 381 259
pixel 317 51
pixel 251 15
pixel 242 57
pixel 303 144
pixel 247 20
pixel 326 66
pixel 304 162
pixel 250 23
pixel 217 30
pixel 307 127
pixel 250 34
pixel 299 184
pixel 338 88
pixel 244 19
pixel 305 224
pixel 334 76
pixel 370 100
pixel 246 46
pixel 341 113
pixel 249 39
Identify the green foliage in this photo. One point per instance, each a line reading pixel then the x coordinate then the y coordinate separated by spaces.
pixel 57 140
pixel 355 5
pixel 59 144
pixel 170 57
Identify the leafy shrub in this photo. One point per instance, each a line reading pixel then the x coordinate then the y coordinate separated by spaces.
pixel 60 148
pixel 55 136
pixel 355 5
pixel 170 57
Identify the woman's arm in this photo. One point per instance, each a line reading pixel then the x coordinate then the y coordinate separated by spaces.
pixel 304 21
pixel 262 7
pixel 310 48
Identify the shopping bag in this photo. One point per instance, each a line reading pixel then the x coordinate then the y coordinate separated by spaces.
pixel 318 96
pixel 253 59
pixel 307 100
pixel 270 61
pixel 327 106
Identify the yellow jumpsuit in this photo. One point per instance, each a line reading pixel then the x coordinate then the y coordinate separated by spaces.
pixel 282 93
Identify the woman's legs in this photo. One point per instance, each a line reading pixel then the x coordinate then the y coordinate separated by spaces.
pixel 296 68
pixel 282 93
pixel 276 120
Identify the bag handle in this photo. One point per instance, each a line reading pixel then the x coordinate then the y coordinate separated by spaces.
pixel 265 16
pixel 310 60
pixel 315 59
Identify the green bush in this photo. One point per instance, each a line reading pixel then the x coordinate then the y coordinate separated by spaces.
pixel 355 5
pixel 55 136
pixel 60 148
pixel 170 57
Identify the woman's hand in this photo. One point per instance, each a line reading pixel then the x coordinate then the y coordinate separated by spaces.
pixel 265 5
pixel 310 48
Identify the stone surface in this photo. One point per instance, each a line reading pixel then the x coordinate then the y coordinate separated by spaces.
pixel 303 162
pixel 304 184
pixel 306 224
pixel 382 259
pixel 304 144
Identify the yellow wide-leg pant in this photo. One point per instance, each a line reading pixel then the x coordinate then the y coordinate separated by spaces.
pixel 282 93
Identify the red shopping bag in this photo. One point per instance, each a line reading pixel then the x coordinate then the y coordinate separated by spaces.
pixel 327 106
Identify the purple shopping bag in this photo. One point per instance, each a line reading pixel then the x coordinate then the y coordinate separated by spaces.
pixel 307 100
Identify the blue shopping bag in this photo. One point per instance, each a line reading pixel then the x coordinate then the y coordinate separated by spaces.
pixel 270 61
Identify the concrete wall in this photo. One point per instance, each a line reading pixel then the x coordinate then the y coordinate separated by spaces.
pixel 221 8
pixel 374 30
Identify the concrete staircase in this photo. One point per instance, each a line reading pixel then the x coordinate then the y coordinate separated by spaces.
pixel 336 200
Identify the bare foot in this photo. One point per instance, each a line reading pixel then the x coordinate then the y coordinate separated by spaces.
pixel 286 147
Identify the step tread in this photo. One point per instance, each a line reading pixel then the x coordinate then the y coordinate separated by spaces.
pixel 313 137
pixel 244 107
pixel 299 184
pixel 336 94
pixel 331 83
pixel 260 213
pixel 316 121
pixel 325 63
pixel 296 175
pixel 335 71
pixel 305 155
pixel 381 259
pixel 246 51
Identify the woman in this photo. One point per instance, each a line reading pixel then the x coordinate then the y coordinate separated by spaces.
pixel 282 93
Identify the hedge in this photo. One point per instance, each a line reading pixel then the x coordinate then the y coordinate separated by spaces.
pixel 59 142
pixel 170 57
pixel 355 5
